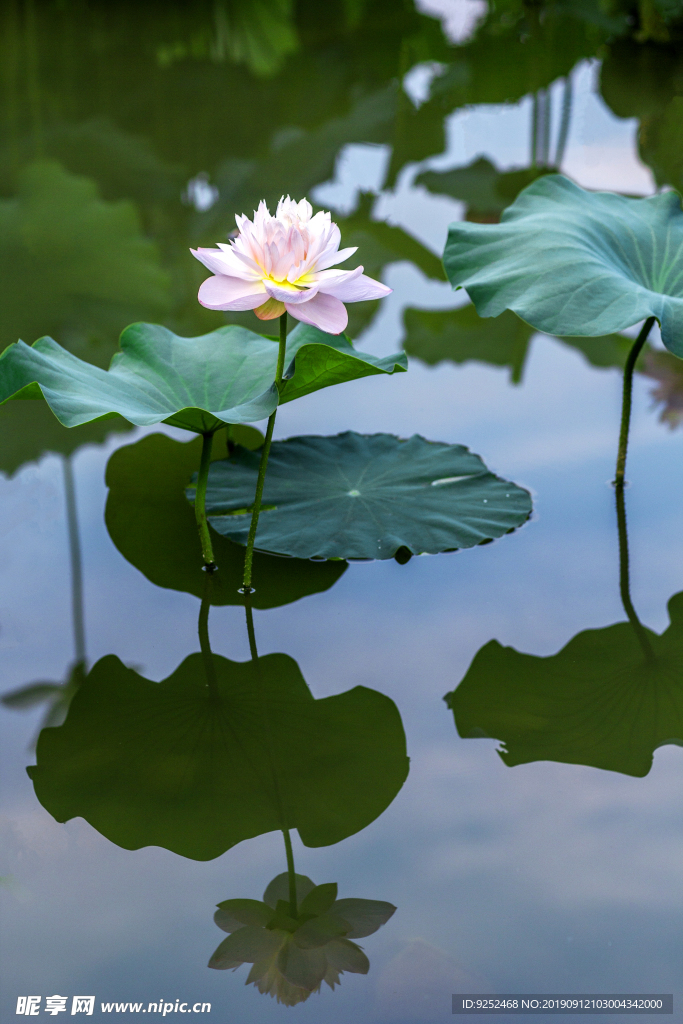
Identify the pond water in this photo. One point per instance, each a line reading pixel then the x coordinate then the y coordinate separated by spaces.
pixel 535 845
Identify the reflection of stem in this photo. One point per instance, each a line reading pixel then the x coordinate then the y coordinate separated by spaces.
pixel 564 122
pixel 626 399
pixel 534 128
pixel 265 451
pixel 293 909
pixel 76 563
pixel 624 583
pixel 200 503
pixel 204 642
pixel 545 139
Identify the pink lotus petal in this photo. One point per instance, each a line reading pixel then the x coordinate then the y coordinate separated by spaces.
pixel 356 289
pixel 329 279
pixel 223 292
pixel 330 259
pixel 325 312
pixel 288 293
pixel 213 259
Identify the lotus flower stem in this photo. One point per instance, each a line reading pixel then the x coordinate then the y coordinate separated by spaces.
pixel 626 399
pixel 624 578
pixel 293 908
pixel 204 642
pixel 265 451
pixel 200 503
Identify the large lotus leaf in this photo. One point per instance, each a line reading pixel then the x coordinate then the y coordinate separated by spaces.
pixel 29 431
pixel 70 261
pixel 199 384
pixel 364 496
pixel 572 262
pixel 197 768
pixel 152 525
pixel 596 702
pixel 460 335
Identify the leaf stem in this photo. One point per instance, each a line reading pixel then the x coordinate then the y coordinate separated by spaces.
pixel 624 577
pixel 626 399
pixel 293 908
pixel 265 451
pixel 200 503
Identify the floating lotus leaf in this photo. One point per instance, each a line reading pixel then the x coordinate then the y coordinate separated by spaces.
pixel 364 496
pixel 596 702
pixel 197 768
pixel 198 384
pixel 572 262
pixel 154 528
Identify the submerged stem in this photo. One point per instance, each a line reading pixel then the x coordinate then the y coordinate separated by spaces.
pixel 200 503
pixel 624 578
pixel 626 399
pixel 293 908
pixel 265 451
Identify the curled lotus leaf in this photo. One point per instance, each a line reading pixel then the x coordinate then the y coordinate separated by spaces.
pixel 364 496
pixel 573 262
pixel 198 384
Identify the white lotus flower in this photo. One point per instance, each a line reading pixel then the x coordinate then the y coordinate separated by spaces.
pixel 282 263
pixel 292 957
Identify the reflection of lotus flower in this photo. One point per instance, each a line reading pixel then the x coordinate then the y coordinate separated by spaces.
pixel 668 370
pixel 281 263
pixel 292 957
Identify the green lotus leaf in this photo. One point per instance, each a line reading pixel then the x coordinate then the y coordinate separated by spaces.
pixel 596 702
pixel 154 528
pixel 364 496
pixel 572 262
pixel 199 384
pixel 197 768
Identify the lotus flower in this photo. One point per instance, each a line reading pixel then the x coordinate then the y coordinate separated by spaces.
pixel 282 263
pixel 292 957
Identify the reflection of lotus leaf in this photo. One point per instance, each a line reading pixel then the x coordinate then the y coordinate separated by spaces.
pixel 293 956
pixel 364 496
pixel 596 702
pixel 71 260
pixel 29 431
pixel 572 262
pixel 484 189
pixel 152 525
pixel 197 770
pixel 198 384
pixel 460 335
